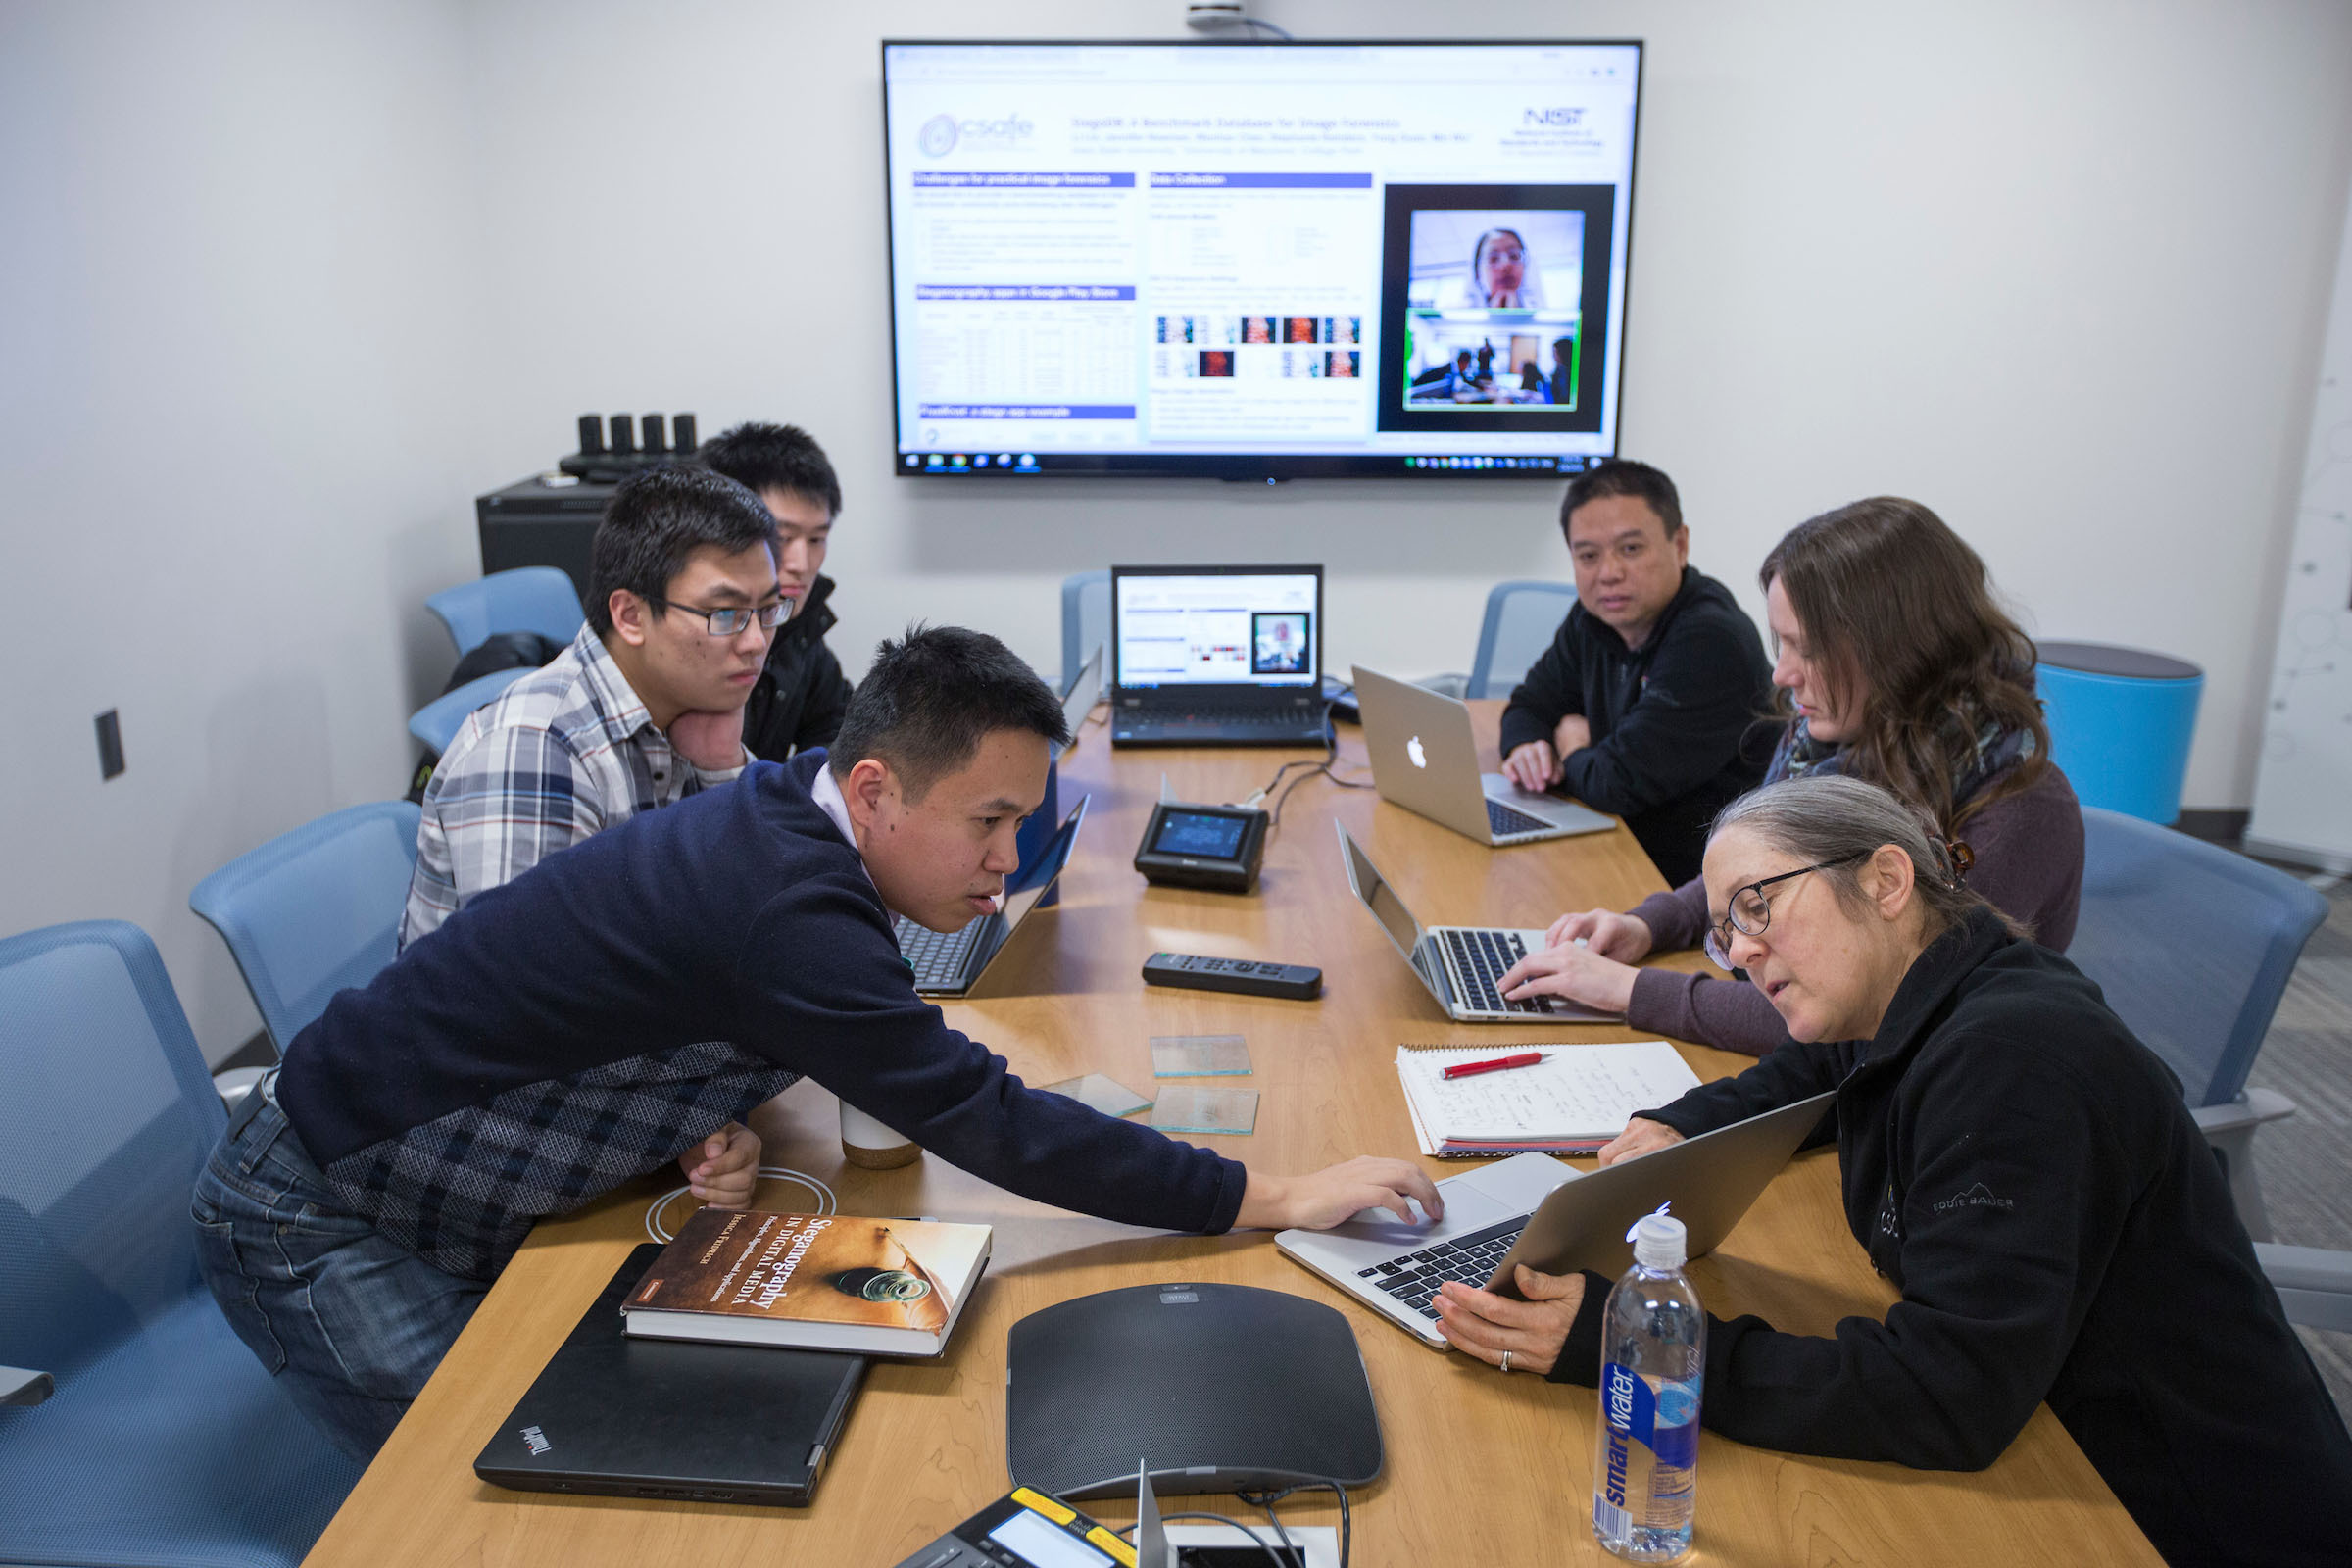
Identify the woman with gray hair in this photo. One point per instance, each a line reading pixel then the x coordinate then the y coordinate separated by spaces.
pixel 2021 1167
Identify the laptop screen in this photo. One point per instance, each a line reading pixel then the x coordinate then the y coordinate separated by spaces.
pixel 1381 898
pixel 1220 628
pixel 1029 884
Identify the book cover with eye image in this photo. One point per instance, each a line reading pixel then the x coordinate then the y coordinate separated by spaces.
pixel 812 1282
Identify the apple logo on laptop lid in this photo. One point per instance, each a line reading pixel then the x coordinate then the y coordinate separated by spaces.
pixel 1413 750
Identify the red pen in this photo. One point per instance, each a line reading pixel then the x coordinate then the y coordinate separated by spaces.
pixel 1525 1059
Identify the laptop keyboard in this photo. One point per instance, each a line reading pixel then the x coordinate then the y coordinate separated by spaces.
pixel 1502 818
pixel 1251 715
pixel 937 958
pixel 1480 957
pixel 1413 1279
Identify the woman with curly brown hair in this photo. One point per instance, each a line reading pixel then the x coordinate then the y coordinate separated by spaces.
pixel 1897 665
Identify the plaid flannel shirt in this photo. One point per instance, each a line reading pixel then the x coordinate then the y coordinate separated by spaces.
pixel 559 756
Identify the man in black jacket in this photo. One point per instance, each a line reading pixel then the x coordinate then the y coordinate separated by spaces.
pixel 1646 703
pixel 802 694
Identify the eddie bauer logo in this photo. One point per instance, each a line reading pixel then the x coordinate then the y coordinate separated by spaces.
pixel 535 1439
pixel 1413 750
pixel 1978 1195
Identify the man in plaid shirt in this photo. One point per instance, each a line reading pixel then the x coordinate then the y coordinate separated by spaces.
pixel 644 708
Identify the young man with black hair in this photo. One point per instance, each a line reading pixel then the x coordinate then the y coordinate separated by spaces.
pixel 577 1028
pixel 1647 702
pixel 644 708
pixel 802 694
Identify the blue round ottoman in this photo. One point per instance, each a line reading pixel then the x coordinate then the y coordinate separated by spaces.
pixel 2121 720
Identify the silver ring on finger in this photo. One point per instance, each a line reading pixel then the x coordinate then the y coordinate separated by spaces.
pixel 1506 1361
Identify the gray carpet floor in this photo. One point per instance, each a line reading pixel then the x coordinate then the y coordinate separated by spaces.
pixel 2305 1162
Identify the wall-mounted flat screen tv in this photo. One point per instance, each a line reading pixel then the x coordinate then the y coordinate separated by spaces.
pixel 1258 261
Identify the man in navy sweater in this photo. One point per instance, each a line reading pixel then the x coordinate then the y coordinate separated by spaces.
pixel 582 1025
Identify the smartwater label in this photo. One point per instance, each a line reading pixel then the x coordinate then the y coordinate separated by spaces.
pixel 1665 1421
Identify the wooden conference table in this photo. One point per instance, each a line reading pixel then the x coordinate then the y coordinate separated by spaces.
pixel 1482 1468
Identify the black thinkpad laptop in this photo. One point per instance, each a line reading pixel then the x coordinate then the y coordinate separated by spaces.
pixel 670 1418
pixel 1216 656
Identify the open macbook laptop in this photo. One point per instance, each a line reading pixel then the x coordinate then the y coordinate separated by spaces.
pixel 1533 1209
pixel 1459 963
pixel 1425 758
pixel 623 1416
pixel 951 963
pixel 1218 656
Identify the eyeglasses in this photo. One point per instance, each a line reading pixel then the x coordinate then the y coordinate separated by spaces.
pixel 1751 912
pixel 730 622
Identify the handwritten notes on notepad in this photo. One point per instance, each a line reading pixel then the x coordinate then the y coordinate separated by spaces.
pixel 1576 1099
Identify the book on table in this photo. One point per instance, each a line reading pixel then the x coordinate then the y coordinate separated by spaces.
pixel 811 1282
pixel 1575 1100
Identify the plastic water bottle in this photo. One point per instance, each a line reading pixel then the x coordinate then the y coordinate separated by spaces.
pixel 1653 1352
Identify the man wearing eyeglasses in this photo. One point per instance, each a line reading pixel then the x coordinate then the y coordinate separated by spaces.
pixel 644 708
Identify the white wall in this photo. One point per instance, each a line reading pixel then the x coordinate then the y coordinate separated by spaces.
pixel 2056 271
pixel 237 357
pixel 288 285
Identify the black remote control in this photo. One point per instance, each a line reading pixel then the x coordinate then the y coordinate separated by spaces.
pixel 1298 982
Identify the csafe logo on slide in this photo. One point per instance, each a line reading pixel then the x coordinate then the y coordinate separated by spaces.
pixel 941 133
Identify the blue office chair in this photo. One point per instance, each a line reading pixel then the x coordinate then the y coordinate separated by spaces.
pixel 163 1440
pixel 1085 624
pixel 435 724
pixel 2193 945
pixel 538 599
pixel 2314 1283
pixel 315 910
pixel 1521 620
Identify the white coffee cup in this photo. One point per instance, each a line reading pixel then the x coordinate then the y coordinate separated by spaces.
pixel 867 1143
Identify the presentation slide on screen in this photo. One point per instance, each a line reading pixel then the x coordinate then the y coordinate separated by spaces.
pixel 1409 252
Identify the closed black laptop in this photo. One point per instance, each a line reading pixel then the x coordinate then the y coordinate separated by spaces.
pixel 1218 656
pixel 667 1418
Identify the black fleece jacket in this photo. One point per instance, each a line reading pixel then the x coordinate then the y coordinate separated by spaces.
pixel 2027 1175
pixel 802 695
pixel 1676 730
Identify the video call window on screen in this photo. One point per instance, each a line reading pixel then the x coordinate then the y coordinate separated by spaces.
pixel 1129 257
pixel 1279 643
pixel 1495 308
pixel 1480 328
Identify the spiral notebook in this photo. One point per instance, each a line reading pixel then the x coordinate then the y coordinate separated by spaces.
pixel 1574 1100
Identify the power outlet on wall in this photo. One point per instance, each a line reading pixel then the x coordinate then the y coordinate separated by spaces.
pixel 110 744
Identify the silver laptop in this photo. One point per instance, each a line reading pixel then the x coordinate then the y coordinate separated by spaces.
pixel 1425 758
pixel 951 963
pixel 1085 689
pixel 1459 963
pixel 1533 1209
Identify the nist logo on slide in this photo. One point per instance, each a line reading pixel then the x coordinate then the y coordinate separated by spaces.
pixel 942 133
pixel 1559 119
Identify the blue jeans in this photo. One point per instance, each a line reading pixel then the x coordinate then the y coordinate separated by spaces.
pixel 350 1322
